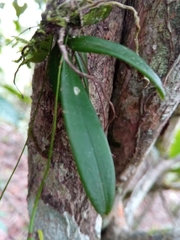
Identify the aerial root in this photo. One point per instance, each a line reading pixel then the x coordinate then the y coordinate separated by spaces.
pixel 123 6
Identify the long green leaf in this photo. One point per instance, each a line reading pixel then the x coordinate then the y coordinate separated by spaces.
pixel 101 46
pixel 88 142
pixel 53 65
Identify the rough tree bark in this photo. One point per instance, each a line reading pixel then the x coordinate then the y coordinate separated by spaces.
pixel 64 211
pixel 140 112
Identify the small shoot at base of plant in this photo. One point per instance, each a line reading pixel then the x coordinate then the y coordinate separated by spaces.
pixel 40 234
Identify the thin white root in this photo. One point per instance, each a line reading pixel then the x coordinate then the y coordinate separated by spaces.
pixel 137 20
pixel 120 5
pixel 65 55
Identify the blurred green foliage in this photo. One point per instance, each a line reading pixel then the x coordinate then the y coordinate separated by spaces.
pixel 9 113
pixel 175 147
pixel 2 5
pixel 19 9
pixel 13 107
pixel 40 3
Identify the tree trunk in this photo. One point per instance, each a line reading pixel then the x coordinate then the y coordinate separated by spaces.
pixel 141 114
pixel 64 211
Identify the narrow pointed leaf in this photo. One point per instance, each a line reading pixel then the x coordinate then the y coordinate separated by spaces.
pixel 88 142
pixel 101 46
pixel 82 62
pixel 53 65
